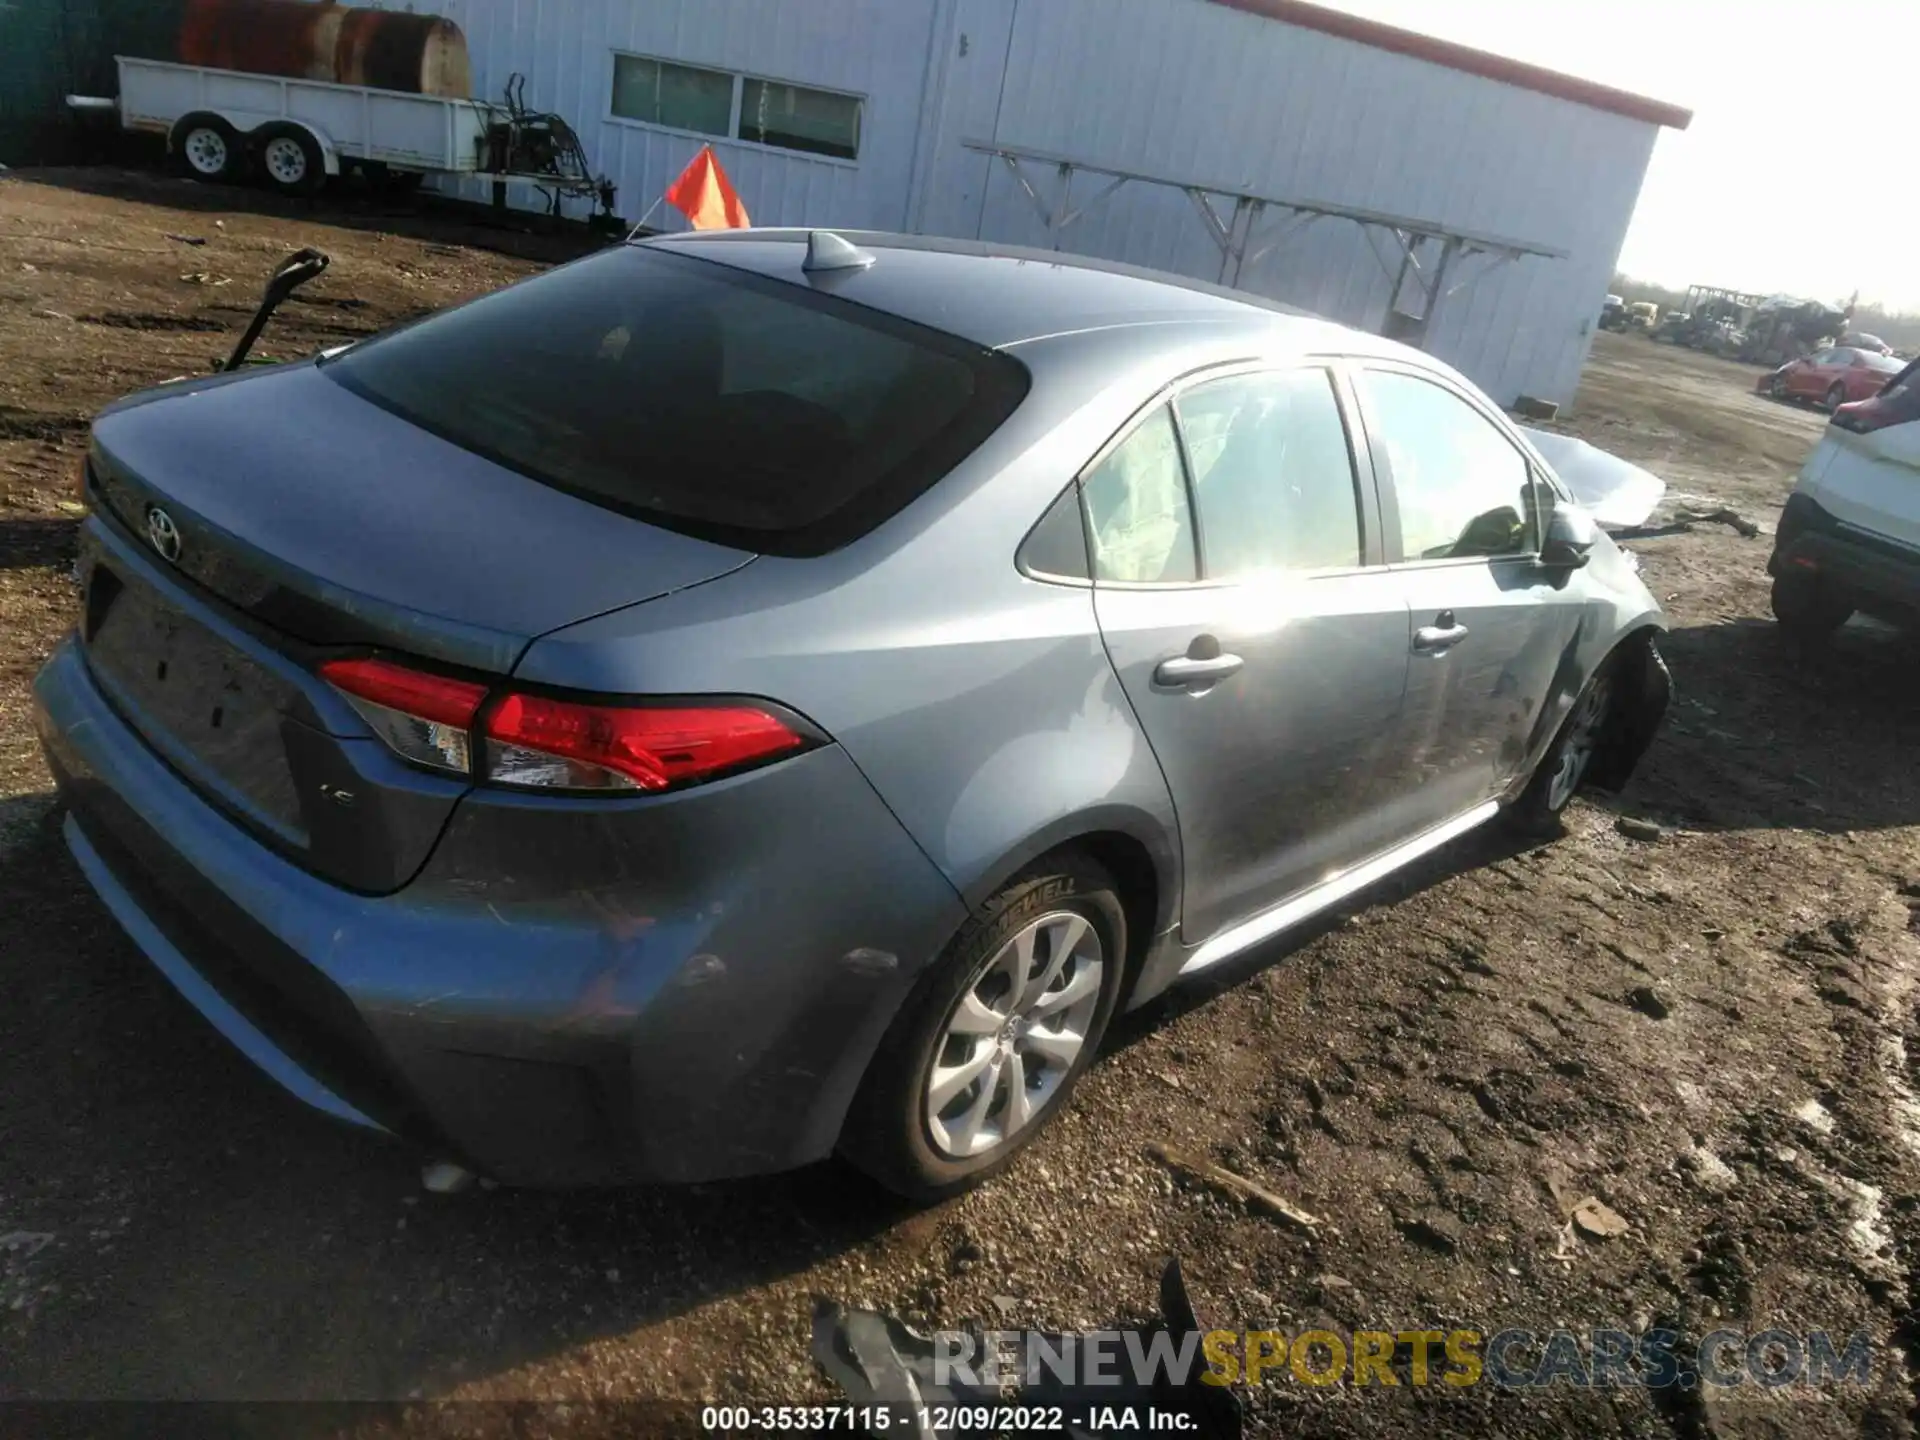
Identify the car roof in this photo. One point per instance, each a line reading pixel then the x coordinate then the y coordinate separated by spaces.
pixel 1004 295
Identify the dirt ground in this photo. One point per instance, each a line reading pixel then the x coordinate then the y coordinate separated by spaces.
pixel 1710 1031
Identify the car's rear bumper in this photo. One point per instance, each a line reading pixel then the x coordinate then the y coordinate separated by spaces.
pixel 1881 576
pixel 682 988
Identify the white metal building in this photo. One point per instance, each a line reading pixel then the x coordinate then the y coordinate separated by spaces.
pixel 1343 162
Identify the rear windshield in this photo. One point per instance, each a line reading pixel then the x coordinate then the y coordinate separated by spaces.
pixel 1888 364
pixel 744 410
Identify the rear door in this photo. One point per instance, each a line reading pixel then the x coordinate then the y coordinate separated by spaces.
pixel 1262 646
pixel 1462 515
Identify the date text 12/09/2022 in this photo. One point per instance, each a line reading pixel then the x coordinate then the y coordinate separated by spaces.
pixel 940 1419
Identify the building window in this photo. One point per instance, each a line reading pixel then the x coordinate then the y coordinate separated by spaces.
pixel 796 118
pixel 678 96
pixel 738 107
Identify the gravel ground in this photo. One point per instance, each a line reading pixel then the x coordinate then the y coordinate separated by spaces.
pixel 1709 1031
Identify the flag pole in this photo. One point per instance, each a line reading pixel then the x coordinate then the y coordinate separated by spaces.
pixel 641 223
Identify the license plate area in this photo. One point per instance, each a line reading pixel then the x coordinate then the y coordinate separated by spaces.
pixel 213 712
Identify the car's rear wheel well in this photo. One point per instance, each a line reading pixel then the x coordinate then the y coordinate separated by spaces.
pixel 1138 880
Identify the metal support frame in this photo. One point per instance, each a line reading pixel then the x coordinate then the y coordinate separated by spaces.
pixel 1233 233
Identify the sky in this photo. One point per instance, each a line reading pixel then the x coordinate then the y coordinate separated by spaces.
pixel 1796 174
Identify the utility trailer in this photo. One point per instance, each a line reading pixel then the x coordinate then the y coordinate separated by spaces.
pixel 294 133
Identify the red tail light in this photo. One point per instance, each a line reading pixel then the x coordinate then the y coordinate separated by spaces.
pixel 547 742
pixel 423 718
pixel 535 740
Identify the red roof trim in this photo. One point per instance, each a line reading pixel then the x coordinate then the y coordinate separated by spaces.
pixel 1464 57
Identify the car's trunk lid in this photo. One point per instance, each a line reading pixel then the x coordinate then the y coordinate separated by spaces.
pixel 339 523
pixel 301 522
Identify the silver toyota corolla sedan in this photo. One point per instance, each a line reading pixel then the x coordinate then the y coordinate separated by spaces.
pixel 743 697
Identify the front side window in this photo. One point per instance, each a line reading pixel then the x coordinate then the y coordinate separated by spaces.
pixel 1137 513
pixel 1272 475
pixel 1462 487
pixel 682 97
pixel 695 395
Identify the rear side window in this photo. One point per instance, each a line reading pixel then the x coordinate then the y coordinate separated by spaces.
pixel 743 410
pixel 1462 488
pixel 1137 513
pixel 1272 475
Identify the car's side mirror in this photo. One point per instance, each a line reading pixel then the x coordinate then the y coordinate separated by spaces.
pixel 1570 538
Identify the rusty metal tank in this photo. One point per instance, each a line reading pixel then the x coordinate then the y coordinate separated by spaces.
pixel 344 44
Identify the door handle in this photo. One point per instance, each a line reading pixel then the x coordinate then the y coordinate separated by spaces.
pixel 1202 665
pixel 1185 670
pixel 1443 634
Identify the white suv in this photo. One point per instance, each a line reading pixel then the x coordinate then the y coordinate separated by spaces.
pixel 1849 537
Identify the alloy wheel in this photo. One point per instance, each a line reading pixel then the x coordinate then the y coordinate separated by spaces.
pixel 1014 1035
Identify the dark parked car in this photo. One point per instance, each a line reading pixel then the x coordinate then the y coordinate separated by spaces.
pixel 742 697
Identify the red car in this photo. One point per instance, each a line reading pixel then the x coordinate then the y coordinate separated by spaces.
pixel 1834 377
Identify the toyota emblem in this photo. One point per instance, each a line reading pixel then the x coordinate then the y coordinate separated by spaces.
pixel 163 534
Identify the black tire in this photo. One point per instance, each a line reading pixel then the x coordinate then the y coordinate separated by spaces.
pixel 1777 387
pixel 208 149
pixel 888 1133
pixel 1836 397
pixel 1807 609
pixel 289 159
pixel 1538 810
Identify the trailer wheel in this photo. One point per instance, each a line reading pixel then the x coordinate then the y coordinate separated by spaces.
pixel 207 148
pixel 290 159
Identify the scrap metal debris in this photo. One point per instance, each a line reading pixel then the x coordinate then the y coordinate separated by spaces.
pixel 878 1362
pixel 1238 1186
pixel 1683 522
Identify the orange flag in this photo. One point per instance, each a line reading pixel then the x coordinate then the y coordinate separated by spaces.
pixel 706 197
